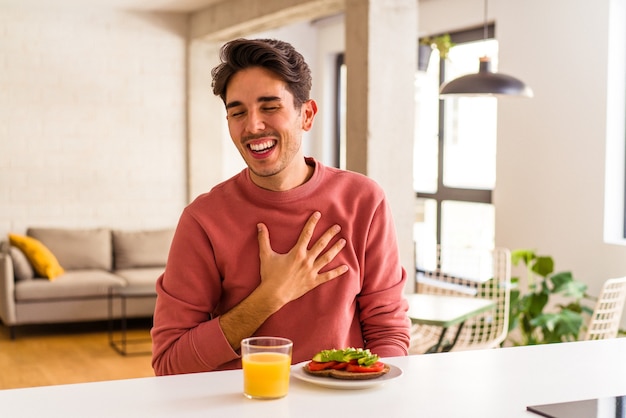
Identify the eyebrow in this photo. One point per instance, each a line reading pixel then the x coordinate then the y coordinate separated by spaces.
pixel 261 99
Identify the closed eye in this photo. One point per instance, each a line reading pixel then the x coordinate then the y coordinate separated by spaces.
pixel 236 113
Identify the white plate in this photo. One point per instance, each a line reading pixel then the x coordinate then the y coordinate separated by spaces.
pixel 329 382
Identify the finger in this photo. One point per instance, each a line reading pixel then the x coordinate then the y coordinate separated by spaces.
pixel 309 228
pixel 263 236
pixel 331 274
pixel 329 255
pixel 323 241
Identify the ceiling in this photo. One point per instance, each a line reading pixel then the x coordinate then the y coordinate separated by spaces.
pixel 183 6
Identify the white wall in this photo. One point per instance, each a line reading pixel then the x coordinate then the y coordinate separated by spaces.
pixel 92 118
pixel 550 192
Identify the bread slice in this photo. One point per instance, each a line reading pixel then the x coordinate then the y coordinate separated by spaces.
pixel 344 375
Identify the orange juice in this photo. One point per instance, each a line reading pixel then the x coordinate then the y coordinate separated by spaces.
pixel 266 375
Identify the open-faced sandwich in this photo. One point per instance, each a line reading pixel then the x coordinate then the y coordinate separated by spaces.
pixel 347 364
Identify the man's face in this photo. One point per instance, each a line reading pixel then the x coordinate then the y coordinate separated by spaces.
pixel 266 127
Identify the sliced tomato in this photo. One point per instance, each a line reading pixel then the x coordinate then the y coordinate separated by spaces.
pixel 376 367
pixel 317 365
pixel 339 365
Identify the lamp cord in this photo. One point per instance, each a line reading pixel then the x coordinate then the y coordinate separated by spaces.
pixel 485 23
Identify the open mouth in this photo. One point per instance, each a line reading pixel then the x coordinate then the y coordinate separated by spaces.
pixel 262 147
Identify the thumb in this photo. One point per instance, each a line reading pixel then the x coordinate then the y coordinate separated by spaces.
pixel 263 236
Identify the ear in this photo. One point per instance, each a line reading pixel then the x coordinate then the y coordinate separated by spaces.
pixel 308 111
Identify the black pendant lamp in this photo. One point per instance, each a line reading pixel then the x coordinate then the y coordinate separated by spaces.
pixel 485 82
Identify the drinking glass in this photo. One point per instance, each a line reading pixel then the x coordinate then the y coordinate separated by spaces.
pixel 266 363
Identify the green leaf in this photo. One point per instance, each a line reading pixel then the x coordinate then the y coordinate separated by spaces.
pixel 561 279
pixel 514 297
pixel 513 323
pixel 524 255
pixel 569 323
pixel 574 307
pixel 543 266
pixel 565 283
pixel 546 320
pixel 576 290
pixel 534 303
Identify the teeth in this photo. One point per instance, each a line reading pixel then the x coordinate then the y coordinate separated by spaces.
pixel 262 146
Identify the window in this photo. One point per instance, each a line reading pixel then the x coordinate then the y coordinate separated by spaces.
pixel 455 150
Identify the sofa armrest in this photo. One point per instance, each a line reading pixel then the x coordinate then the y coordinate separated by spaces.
pixel 7 290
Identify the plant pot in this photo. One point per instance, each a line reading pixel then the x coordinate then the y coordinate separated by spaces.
pixel 423 56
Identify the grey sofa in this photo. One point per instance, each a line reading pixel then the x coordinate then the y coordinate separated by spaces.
pixel 95 261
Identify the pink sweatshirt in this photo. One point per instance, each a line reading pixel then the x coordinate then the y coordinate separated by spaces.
pixel 214 263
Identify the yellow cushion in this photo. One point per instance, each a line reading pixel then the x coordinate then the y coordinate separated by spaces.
pixel 43 261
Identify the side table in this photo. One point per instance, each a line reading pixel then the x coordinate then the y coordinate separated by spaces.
pixel 124 293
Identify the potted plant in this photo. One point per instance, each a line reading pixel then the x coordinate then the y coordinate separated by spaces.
pixel 426 45
pixel 564 321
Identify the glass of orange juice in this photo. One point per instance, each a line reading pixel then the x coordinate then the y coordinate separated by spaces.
pixel 266 363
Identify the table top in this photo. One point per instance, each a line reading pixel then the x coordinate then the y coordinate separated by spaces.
pixel 503 383
pixel 445 311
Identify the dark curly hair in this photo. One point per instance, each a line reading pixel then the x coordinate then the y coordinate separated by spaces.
pixel 277 56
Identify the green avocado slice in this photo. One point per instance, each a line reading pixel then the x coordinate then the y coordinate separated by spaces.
pixel 363 356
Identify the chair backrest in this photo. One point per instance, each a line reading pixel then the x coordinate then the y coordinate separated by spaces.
pixel 473 273
pixel 607 313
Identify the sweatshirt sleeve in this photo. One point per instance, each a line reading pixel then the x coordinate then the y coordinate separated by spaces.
pixel 383 308
pixel 186 336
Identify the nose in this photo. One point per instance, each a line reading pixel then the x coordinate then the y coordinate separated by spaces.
pixel 254 121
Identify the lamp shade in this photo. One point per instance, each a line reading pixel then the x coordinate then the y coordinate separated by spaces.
pixel 485 83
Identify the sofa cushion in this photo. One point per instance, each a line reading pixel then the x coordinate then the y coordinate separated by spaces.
pixel 78 249
pixel 22 269
pixel 40 257
pixel 141 276
pixel 147 248
pixel 72 284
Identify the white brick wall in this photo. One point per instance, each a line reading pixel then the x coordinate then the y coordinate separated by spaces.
pixel 92 118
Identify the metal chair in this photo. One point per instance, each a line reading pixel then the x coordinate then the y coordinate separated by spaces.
pixel 607 313
pixel 469 273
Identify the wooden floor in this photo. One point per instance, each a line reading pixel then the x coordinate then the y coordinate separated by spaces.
pixel 69 353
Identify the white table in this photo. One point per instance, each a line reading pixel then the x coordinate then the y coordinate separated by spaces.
pixel 498 383
pixel 445 311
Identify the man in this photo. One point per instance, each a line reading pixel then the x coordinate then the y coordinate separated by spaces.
pixel 288 247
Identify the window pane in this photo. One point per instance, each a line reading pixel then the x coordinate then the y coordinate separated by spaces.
pixel 467 224
pixel 463 58
pixel 425 151
pixel 470 124
pixel 468 151
pixel 425 233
